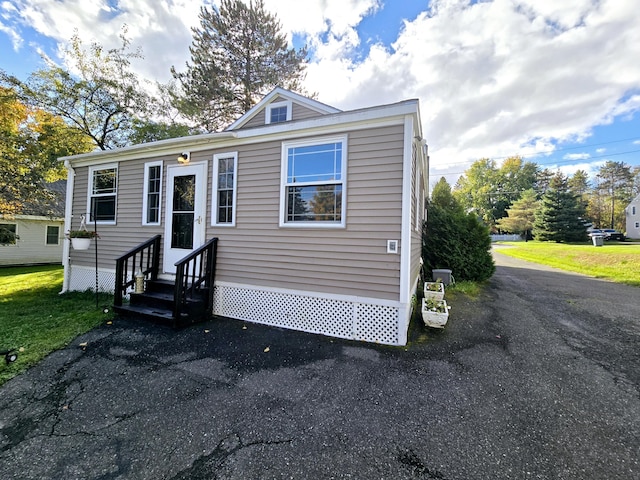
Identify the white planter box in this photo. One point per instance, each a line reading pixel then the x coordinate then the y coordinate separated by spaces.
pixel 433 318
pixel 434 290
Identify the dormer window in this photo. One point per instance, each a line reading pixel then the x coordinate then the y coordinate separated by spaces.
pixel 278 112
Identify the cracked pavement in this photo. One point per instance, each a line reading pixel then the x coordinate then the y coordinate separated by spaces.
pixel 536 379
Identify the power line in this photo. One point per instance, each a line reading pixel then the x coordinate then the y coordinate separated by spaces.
pixel 553 162
pixel 559 150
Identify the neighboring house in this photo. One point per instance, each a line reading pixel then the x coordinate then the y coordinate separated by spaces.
pixel 38 235
pixel 633 218
pixel 317 211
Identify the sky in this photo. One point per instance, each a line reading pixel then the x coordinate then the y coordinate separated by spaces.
pixel 556 82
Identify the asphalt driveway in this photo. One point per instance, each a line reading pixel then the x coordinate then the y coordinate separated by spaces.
pixel 536 379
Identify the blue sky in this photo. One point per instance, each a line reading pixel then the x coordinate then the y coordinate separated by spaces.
pixel 555 82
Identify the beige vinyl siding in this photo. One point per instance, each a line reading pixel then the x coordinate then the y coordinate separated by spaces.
pixel 298 112
pixel 128 232
pixel 352 260
pixel 349 261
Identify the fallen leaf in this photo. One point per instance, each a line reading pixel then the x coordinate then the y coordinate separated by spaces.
pixel 21 349
pixel 498 336
pixel 83 344
pixel 109 322
pixel 266 349
pixel 206 331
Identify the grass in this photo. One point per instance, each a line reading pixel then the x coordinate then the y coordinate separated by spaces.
pixel 615 261
pixel 36 319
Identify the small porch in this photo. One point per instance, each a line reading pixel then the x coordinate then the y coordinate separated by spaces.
pixel 177 302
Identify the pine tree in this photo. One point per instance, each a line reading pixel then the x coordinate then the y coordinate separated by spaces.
pixel 521 215
pixel 237 56
pixel 558 219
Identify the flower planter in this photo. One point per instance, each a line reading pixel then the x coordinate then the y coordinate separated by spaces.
pixel 80 243
pixel 435 313
pixel 434 290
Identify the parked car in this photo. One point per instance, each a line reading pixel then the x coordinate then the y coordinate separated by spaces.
pixel 610 234
pixel 596 232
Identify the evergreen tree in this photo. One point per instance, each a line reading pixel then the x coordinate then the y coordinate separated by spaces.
pixel 455 240
pixel 559 217
pixel 521 215
pixel 237 56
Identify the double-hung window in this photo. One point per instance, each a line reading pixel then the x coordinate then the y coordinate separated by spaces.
pixel 223 211
pixel 8 234
pixel 53 235
pixel 103 191
pixel 152 195
pixel 313 183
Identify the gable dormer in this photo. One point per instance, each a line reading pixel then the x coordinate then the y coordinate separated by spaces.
pixel 280 106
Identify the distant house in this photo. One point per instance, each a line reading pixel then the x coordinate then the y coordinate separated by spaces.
pixel 317 212
pixel 38 233
pixel 633 218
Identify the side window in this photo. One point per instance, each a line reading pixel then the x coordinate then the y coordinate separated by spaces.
pixel 223 209
pixel 278 112
pixel 152 195
pixel 313 183
pixel 103 192
pixel 633 210
pixel 53 234
pixel 8 234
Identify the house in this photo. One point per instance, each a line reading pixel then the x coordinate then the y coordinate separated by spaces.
pixel 317 214
pixel 37 232
pixel 633 218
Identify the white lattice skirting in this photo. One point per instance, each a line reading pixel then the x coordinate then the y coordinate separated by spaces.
pixel 84 278
pixel 353 318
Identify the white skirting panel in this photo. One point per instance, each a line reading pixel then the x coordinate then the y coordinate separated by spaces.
pixel 355 318
pixel 84 278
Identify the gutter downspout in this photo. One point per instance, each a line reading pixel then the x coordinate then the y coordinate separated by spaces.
pixel 71 173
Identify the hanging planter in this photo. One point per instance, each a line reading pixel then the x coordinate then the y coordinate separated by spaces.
pixel 81 239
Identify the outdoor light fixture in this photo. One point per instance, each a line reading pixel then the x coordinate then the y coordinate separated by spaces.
pixel 183 158
pixel 9 356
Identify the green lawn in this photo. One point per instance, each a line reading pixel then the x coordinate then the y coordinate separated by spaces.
pixel 36 319
pixel 616 261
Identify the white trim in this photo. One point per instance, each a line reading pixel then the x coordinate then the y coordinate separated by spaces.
pixel 343 139
pixel 214 189
pixel 68 208
pixel 93 168
pixel 288 95
pixel 267 111
pixel 405 240
pixel 199 169
pixel 339 122
pixel 145 193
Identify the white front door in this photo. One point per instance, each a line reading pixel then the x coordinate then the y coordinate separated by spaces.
pixel 184 229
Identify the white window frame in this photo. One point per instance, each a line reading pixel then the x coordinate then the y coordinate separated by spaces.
pixel 46 235
pixel 145 194
pixel 214 190
pixel 275 105
pixel 343 182
pixel 108 166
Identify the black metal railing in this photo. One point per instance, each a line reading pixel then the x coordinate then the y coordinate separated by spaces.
pixel 194 273
pixel 144 258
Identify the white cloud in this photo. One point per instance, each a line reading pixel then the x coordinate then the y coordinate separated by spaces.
pixel 495 78
pixel 577 156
